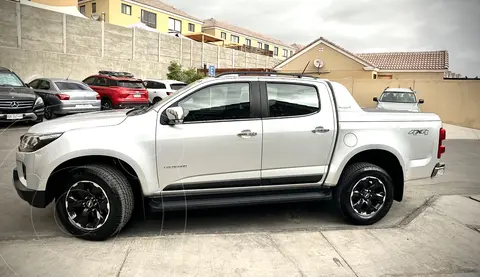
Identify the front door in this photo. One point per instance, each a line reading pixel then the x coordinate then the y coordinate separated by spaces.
pixel 219 143
pixel 298 133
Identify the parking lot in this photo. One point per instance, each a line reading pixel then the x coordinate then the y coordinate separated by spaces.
pixel 461 178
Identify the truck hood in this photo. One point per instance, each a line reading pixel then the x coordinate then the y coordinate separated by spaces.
pixel 398 106
pixel 78 121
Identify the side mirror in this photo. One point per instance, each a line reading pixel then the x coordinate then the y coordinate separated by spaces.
pixel 375 99
pixel 420 101
pixel 176 115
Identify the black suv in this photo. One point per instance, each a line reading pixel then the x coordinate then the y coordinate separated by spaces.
pixel 18 102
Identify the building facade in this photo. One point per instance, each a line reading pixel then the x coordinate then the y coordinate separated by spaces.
pixel 240 36
pixel 154 14
pixel 328 60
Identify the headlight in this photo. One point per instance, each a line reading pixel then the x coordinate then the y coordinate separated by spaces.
pixel 39 101
pixel 33 142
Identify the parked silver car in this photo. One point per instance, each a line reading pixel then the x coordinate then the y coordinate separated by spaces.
pixel 62 97
pixel 398 99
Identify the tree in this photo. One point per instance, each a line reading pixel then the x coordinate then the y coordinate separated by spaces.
pixel 176 72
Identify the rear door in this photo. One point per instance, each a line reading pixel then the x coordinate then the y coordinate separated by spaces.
pixel 298 132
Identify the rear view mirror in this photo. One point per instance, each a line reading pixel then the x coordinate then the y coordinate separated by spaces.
pixel 420 101
pixel 375 99
pixel 176 115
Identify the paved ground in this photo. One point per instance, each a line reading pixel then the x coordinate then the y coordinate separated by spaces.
pixel 420 235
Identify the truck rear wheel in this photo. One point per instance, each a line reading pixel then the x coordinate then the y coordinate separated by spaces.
pixel 364 193
pixel 97 202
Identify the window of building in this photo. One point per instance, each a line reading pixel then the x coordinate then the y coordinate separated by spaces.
pixel 384 76
pixel 275 51
pixel 82 9
pixel 291 53
pixel 267 47
pixel 235 39
pixel 292 100
pixel 223 35
pixel 149 19
pixel 285 53
pixel 94 7
pixel 126 9
pixel 218 102
pixel 174 25
pixel 259 45
pixel 248 42
pixel 191 27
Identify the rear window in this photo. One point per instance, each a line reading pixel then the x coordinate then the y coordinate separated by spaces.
pixel 177 86
pixel 70 86
pixel 131 84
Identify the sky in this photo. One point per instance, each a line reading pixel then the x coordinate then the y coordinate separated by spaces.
pixel 360 25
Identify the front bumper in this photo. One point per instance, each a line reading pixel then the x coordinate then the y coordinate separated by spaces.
pixel 38 199
pixel 438 170
pixel 31 116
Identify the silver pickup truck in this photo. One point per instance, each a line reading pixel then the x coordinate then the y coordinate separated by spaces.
pixel 235 139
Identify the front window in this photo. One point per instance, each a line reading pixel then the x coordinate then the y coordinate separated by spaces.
pixel 8 79
pixel 291 100
pixel 94 7
pixel 218 102
pixel 275 51
pixel 82 9
pixel 126 9
pixel 70 86
pixel 235 39
pixel 149 19
pixel 260 45
pixel 191 27
pixel 223 35
pixel 267 47
pixel 398 97
pixel 177 86
pixel 285 53
pixel 174 25
pixel 131 84
pixel 248 42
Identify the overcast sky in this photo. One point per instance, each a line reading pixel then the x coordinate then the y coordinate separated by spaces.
pixel 360 25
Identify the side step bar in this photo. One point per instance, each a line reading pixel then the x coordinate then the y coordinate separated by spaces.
pixel 166 203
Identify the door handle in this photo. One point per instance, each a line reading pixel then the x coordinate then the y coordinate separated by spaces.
pixel 246 134
pixel 320 130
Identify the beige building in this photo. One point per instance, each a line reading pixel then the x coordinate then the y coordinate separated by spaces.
pixel 238 36
pixel 325 58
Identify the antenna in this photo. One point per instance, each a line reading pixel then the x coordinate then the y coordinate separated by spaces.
pixel 70 72
pixel 305 67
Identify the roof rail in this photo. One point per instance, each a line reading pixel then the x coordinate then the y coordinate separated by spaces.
pixel 116 73
pixel 253 73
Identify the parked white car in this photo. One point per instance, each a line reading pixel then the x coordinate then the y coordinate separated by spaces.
pixel 227 141
pixel 399 99
pixel 159 89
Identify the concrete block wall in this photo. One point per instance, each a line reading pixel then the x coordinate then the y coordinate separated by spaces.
pixel 41 43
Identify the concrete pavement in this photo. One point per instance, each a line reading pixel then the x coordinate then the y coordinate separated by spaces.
pixel 441 241
pixel 458 132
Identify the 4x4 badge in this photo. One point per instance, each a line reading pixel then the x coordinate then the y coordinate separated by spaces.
pixel 418 132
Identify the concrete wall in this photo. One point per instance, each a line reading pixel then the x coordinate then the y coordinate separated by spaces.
pixel 41 43
pixel 456 102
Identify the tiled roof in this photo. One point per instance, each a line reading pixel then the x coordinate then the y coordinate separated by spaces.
pixel 209 23
pixel 297 46
pixel 166 7
pixel 428 60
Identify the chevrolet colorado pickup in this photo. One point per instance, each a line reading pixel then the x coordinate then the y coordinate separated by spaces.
pixel 234 139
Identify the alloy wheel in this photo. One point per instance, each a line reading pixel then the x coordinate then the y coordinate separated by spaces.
pixel 87 205
pixel 368 196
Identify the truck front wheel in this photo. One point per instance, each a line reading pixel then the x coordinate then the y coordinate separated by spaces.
pixel 96 203
pixel 364 193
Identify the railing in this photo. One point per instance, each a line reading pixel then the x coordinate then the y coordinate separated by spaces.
pixel 251 49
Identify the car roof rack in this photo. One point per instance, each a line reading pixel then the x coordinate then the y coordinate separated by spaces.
pixel 253 73
pixel 116 73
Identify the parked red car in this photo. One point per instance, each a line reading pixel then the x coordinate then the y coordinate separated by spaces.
pixel 118 90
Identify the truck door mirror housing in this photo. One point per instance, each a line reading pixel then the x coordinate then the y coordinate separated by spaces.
pixel 375 99
pixel 421 101
pixel 176 115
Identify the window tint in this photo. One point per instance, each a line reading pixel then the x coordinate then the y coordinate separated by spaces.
pixel 89 81
pixel 159 85
pixel 101 82
pixel 45 85
pixel 34 83
pixel 177 86
pixel 131 84
pixel 218 102
pixel 70 86
pixel 291 100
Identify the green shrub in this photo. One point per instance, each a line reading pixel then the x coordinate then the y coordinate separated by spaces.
pixel 176 72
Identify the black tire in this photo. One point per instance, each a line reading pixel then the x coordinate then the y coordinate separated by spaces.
pixel 119 196
pixel 156 100
pixel 48 113
pixel 365 174
pixel 106 104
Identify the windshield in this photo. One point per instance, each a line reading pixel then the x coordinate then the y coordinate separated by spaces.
pixel 177 86
pixel 131 84
pixel 70 86
pixel 398 97
pixel 8 79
